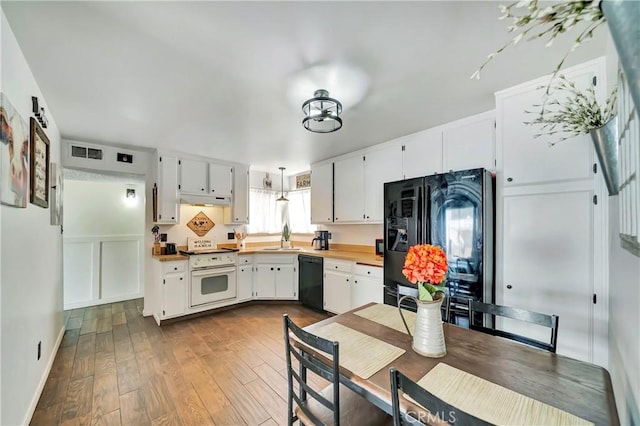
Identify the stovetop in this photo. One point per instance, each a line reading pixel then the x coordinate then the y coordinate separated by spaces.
pixel 208 251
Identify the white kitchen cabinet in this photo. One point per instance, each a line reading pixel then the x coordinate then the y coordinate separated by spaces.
pixel 193 176
pixel 422 153
pixel 275 277
pixel 167 203
pixel 367 285
pixel 338 278
pixel 203 178
pixel 348 193
pixel 527 160
pixel 245 282
pixel 173 293
pixel 551 236
pixel 380 166
pixel 220 177
pixel 322 193
pixel 547 265
pixel 469 143
pixel 238 212
pixel 285 282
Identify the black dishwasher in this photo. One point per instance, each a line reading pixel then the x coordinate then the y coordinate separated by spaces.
pixel 310 281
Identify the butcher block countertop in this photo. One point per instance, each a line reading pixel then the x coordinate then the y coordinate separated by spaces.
pixel 364 255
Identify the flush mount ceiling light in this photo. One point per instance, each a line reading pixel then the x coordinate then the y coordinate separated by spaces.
pixel 322 113
pixel 282 197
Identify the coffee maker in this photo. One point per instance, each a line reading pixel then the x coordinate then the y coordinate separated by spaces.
pixel 321 240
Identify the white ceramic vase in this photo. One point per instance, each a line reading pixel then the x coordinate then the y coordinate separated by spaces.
pixel 428 336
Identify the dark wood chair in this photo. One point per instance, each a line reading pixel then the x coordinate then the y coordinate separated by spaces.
pixel 333 405
pixel 544 320
pixel 440 412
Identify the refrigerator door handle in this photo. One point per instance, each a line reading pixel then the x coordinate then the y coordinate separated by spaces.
pixel 420 223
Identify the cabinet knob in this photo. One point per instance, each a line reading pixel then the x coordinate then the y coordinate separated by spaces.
pixel 213 190
pixel 509 179
pixel 201 189
pixel 180 278
pixel 336 267
pixel 368 272
pixel 272 269
pixel 354 281
pixel 278 269
pixel 347 279
pixel 336 218
pixel 329 219
pixel 175 269
pixel 509 286
pixel 173 218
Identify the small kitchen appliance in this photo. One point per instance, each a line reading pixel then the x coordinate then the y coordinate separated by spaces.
pixel 321 240
pixel 171 248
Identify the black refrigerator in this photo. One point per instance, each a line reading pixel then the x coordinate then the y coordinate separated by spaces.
pixel 452 210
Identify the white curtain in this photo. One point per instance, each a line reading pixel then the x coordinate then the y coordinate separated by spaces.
pixel 300 211
pixel 265 216
pixel 268 216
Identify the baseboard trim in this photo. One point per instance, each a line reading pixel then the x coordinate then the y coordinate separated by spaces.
pixel 43 380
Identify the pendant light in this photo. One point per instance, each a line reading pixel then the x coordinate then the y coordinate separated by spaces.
pixel 282 197
pixel 322 113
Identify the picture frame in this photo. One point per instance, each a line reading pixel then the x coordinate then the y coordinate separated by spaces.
pixel 14 155
pixel 39 165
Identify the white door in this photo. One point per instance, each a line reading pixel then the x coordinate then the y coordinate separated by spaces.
pixel 264 282
pixel 240 199
pixel 220 180
pixel 470 145
pixel 422 153
pixel 380 166
pixel 245 283
pixel 168 206
pixel 322 193
pixel 348 195
pixel 174 293
pixel 285 282
pixel 193 176
pixel 337 292
pixel 547 265
pixel 366 290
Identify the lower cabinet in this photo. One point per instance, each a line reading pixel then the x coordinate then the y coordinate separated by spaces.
pixel 275 277
pixel 338 279
pixel 245 282
pixel 367 285
pixel 173 289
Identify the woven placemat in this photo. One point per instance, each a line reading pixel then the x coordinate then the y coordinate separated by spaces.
pixel 490 402
pixel 361 354
pixel 389 316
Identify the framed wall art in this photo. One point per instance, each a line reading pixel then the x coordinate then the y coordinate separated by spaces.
pixel 39 166
pixel 14 155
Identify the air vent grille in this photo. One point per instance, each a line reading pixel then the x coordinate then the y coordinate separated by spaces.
pixel 84 152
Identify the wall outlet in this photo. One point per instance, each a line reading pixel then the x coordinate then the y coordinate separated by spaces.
pixel 230 235
pixel 39 349
pixel 163 237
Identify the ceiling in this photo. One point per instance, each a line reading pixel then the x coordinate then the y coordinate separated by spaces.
pixel 214 78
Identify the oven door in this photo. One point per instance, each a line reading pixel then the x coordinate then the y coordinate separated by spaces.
pixel 212 285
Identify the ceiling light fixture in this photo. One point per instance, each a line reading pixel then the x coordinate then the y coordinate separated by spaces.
pixel 322 113
pixel 282 197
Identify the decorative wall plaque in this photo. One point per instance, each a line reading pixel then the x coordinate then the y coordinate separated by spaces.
pixel 200 224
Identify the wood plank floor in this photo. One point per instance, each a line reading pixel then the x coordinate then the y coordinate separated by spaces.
pixel 115 367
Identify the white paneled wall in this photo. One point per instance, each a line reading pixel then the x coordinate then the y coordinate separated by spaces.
pixel 629 161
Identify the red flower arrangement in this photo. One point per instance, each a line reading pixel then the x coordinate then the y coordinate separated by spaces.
pixel 426 266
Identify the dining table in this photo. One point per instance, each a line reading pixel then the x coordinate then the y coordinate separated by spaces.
pixel 482 374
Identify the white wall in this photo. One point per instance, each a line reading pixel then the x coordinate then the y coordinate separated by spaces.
pixel 100 208
pixel 179 233
pixel 31 291
pixel 103 239
pixel 354 234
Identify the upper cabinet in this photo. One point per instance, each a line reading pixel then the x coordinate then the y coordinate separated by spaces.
pixel 193 176
pixel 322 193
pixel 204 178
pixel 239 210
pixel 380 166
pixel 422 154
pixel 525 159
pixel 469 143
pixel 167 198
pixel 348 195
pixel 460 145
pixel 220 180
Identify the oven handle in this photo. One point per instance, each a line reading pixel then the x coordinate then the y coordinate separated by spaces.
pixel 209 271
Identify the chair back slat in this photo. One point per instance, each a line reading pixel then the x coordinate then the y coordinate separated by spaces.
pixel 308 361
pixel 550 321
pixel 439 410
